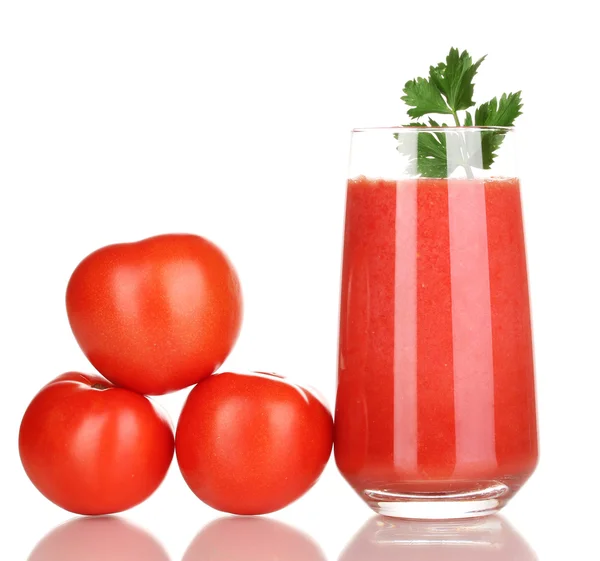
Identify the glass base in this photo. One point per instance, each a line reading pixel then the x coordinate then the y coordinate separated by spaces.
pixel 440 506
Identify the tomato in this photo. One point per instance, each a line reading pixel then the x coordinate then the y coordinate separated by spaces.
pixel 93 448
pixel 156 315
pixel 252 443
pixel 108 538
pixel 255 539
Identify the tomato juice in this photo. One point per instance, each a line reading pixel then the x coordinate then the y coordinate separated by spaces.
pixel 436 383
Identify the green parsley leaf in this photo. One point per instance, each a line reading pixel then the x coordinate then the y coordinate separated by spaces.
pixel 496 113
pixel 430 157
pixel 448 90
pixel 499 114
pixel 424 98
pixel 454 79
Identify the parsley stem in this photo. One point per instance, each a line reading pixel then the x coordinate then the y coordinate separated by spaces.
pixel 463 149
pixel 465 163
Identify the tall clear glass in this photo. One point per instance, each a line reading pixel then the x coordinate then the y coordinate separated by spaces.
pixel 435 410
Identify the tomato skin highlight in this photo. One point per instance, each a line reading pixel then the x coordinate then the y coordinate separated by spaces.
pixel 156 315
pixel 252 443
pixel 93 448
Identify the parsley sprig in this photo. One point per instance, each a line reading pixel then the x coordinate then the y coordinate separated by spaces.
pixel 448 90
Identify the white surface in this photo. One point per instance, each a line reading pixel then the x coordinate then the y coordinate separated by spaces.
pixel 123 119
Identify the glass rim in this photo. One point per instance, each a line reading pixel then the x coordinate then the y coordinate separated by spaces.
pixel 413 129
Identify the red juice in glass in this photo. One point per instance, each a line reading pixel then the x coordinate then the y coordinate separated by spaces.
pixel 435 411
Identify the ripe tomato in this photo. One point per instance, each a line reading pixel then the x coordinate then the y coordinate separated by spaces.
pixel 252 443
pixel 93 448
pixel 108 538
pixel 256 539
pixel 157 315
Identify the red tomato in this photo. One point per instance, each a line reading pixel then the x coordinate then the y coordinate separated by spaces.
pixel 157 315
pixel 92 448
pixel 252 443
pixel 255 539
pixel 108 538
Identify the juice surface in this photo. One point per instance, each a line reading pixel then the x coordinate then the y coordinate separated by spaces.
pixel 435 382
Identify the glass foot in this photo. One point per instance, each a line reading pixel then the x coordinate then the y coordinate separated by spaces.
pixel 439 506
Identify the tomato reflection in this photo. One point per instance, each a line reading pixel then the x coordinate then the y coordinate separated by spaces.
pixel 108 538
pixel 251 539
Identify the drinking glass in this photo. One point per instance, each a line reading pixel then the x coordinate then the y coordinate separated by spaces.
pixel 435 410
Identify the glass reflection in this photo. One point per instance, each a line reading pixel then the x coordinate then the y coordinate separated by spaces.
pixel 481 539
pixel 107 538
pixel 234 538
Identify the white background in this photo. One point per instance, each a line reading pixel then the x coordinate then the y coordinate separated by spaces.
pixel 122 119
